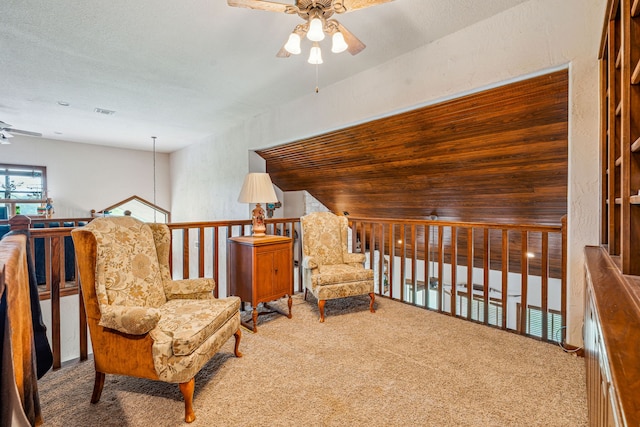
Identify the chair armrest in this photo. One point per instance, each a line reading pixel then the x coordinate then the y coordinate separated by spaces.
pixel 201 288
pixel 129 320
pixel 351 258
pixel 309 263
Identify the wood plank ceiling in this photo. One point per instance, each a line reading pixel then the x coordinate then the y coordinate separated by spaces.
pixel 498 156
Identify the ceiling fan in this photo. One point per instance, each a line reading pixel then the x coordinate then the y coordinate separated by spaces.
pixel 318 21
pixel 6 132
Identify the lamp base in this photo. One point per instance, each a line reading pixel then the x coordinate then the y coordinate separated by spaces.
pixel 257 221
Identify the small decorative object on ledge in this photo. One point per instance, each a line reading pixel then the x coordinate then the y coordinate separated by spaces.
pixel 272 207
pixel 49 207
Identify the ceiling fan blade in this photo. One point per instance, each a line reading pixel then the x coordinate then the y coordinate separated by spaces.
pixel 344 6
pixel 22 132
pixel 355 45
pixel 263 5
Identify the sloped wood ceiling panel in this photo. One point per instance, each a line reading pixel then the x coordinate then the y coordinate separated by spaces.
pixel 499 155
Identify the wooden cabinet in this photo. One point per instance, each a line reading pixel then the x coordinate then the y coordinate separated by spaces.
pixel 611 337
pixel 260 270
pixel 620 133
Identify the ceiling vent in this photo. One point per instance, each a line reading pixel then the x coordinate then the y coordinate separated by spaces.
pixel 104 111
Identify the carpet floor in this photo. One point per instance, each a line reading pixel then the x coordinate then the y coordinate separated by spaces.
pixel 402 366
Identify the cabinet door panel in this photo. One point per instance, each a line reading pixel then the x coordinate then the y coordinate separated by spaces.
pixel 264 276
pixel 282 272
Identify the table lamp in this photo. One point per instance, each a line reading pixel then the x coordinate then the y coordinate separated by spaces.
pixel 257 188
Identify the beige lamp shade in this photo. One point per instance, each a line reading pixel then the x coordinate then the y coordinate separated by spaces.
pixel 257 188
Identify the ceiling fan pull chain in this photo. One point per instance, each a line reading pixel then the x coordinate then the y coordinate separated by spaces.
pixel 317 90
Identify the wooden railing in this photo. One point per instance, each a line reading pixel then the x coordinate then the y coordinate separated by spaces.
pixel 438 264
pixel 424 263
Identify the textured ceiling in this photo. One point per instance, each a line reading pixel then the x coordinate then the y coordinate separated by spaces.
pixel 183 70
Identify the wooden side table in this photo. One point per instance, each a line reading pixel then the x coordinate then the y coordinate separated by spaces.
pixel 259 270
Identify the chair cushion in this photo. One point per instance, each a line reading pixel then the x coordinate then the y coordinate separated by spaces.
pixel 129 320
pixel 340 273
pixel 191 322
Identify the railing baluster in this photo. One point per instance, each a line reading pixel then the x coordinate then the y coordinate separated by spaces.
pixel 469 272
pixel 216 265
pixel 392 255
pixel 403 261
pixel 363 238
pixel 544 273
pixel 382 273
pixel 505 275
pixel 414 257
pixel 454 271
pixel 372 245
pixel 185 253
pixel 563 279
pixel 55 300
pixel 47 263
pixel 427 261
pixel 485 276
pixel 440 267
pixel 524 280
pixel 201 252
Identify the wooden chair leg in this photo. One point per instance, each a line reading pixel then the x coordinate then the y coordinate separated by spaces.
pixel 97 387
pixel 236 350
pixel 187 392
pixel 305 293
pixel 321 308
pixel 373 298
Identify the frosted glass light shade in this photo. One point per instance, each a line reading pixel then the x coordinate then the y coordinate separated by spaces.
pixel 315 56
pixel 338 43
pixel 315 32
pixel 257 188
pixel 293 44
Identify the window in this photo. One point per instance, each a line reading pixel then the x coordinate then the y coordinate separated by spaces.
pixel 22 188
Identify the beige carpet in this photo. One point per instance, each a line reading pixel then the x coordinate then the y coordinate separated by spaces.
pixel 402 366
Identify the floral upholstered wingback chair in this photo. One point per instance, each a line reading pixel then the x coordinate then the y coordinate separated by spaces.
pixel 143 323
pixel 329 270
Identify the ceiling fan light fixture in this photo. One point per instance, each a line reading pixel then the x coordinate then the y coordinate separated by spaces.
pixel 337 43
pixel 293 44
pixel 315 56
pixel 315 33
